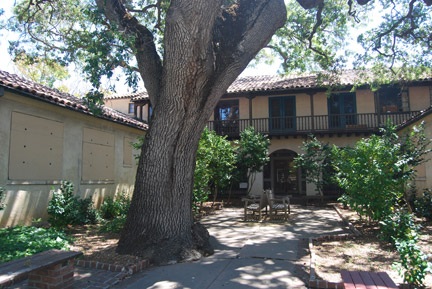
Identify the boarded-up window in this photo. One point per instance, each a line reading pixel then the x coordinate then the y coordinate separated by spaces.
pixel 36 148
pixel 98 155
pixel 127 151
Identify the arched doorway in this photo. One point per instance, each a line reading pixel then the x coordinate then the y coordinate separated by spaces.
pixel 282 176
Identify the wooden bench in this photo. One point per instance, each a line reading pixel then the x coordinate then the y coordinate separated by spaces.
pixel 367 280
pixel 49 269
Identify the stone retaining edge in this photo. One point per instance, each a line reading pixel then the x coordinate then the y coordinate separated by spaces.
pixel 347 222
pixel 126 270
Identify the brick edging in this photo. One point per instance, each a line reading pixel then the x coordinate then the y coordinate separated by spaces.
pixel 128 270
pixel 316 283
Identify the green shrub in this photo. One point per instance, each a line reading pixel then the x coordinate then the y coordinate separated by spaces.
pixel 1 198
pixel 413 265
pixel 376 171
pixel 399 226
pixel 214 166
pixel 21 241
pixel 114 225
pixel 423 205
pixel 112 208
pixel 66 209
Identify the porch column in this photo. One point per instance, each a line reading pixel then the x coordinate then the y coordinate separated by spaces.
pixel 311 189
pixel 250 97
pixel 378 108
pixel 311 95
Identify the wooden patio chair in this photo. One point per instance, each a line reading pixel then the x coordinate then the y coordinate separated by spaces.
pixel 278 204
pixel 254 206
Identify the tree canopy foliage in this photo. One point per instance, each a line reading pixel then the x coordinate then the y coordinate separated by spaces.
pixel 395 34
pixel 42 70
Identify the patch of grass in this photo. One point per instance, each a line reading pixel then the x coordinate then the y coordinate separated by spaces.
pixel 22 241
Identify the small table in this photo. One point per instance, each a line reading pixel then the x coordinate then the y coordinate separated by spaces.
pixel 367 280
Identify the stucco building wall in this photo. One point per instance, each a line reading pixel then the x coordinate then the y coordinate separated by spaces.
pixel 120 104
pixel 27 196
pixel 423 178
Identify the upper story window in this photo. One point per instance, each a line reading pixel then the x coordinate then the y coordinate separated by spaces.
pixel 131 108
pixel 282 111
pixel 392 99
pixel 226 117
pixel 227 110
pixel 342 109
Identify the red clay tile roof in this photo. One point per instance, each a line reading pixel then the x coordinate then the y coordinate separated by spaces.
pixel 54 96
pixel 288 82
pixel 132 96
pixel 302 81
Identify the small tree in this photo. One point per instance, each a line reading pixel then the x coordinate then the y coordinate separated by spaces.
pixel 316 163
pixel 214 165
pixel 375 173
pixel 252 155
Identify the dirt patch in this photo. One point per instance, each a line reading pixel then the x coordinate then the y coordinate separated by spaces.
pixel 364 253
pixel 98 246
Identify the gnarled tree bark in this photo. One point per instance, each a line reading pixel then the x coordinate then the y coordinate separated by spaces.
pixel 206 47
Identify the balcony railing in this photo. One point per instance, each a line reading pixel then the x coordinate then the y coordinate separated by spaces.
pixel 292 125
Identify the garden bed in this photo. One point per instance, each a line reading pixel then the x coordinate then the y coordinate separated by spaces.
pixel 99 246
pixel 363 253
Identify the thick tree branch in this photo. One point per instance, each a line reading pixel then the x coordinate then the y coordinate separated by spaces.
pixel 394 27
pixel 149 62
pixel 240 33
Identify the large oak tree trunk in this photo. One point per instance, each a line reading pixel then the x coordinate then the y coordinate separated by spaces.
pixel 205 48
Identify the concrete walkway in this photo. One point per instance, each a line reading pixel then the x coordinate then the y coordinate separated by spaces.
pixel 247 254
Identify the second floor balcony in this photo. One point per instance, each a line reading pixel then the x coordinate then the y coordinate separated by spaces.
pixel 300 125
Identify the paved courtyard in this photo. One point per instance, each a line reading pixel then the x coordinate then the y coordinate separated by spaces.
pixel 247 254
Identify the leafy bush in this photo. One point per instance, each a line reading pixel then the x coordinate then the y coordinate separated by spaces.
pixel 413 265
pixel 114 225
pixel 112 208
pixel 66 209
pixel 423 205
pixel 374 173
pixel 214 165
pixel 1 198
pixel 21 241
pixel 316 163
pixel 399 226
